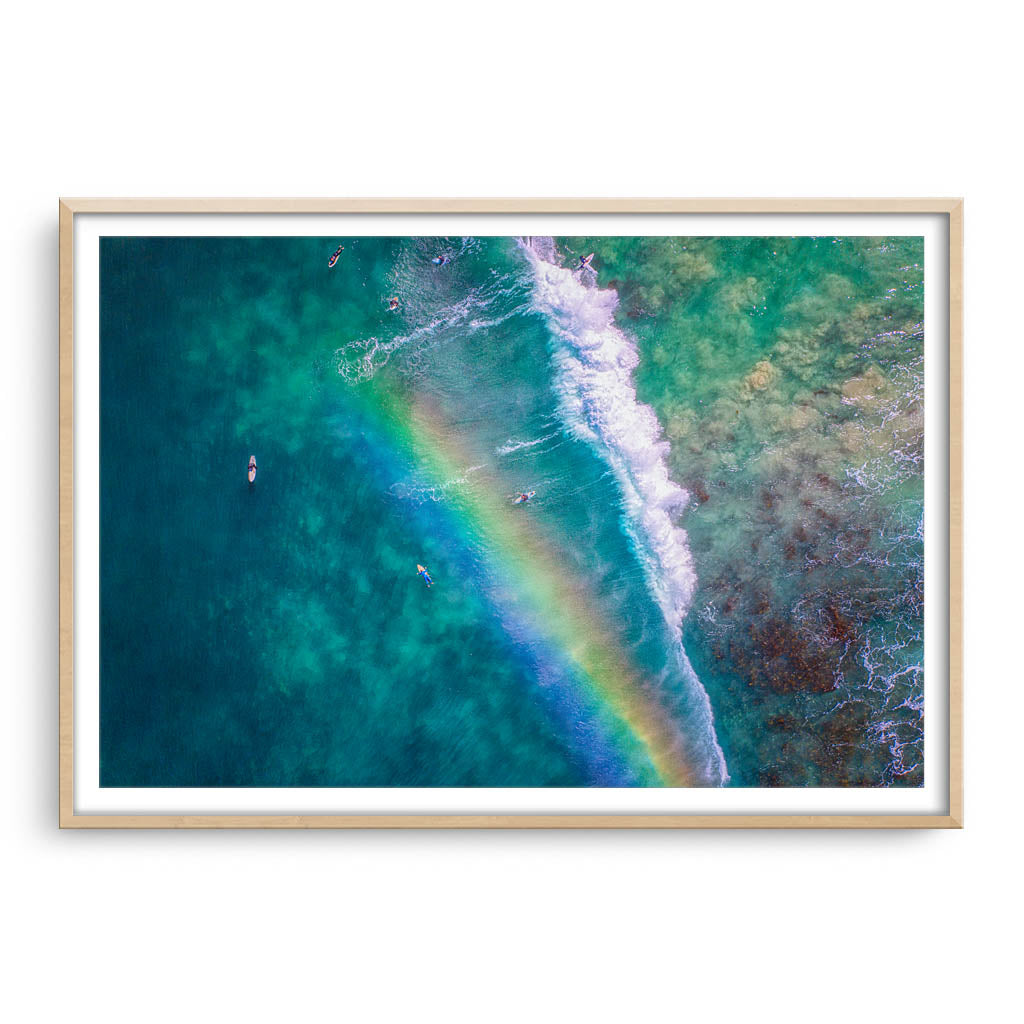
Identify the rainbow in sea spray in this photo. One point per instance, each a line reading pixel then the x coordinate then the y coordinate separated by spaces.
pixel 530 583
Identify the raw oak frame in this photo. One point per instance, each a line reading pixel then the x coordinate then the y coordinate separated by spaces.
pixel 950 207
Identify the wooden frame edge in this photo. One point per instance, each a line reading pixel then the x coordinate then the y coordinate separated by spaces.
pixel 68 207
pixel 370 204
pixel 512 821
pixel 66 516
pixel 956 503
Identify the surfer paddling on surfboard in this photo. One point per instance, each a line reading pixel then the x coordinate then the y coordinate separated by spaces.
pixel 252 469
pixel 523 498
pixel 421 571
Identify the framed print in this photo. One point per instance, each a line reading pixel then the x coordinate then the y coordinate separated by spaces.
pixel 510 513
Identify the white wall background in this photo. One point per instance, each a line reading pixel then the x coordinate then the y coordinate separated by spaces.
pixel 537 98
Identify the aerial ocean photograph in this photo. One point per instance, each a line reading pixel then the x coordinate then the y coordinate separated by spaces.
pixel 497 511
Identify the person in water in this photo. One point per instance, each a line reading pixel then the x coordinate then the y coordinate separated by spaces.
pixel 421 570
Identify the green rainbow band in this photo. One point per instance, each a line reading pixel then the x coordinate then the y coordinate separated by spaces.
pixel 558 607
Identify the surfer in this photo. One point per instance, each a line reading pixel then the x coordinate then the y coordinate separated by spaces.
pixel 252 469
pixel 441 260
pixel 585 262
pixel 421 571
pixel 334 257
pixel 524 497
pixel 393 302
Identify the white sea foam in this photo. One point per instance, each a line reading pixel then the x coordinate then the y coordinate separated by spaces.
pixel 418 493
pixel 429 313
pixel 511 446
pixel 361 359
pixel 594 362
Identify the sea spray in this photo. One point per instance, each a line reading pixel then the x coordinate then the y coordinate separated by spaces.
pixel 594 362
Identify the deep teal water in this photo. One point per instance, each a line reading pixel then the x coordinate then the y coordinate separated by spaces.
pixel 277 635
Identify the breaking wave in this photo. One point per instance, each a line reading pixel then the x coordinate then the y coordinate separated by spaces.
pixel 594 362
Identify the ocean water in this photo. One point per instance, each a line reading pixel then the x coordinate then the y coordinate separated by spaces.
pixel 717 582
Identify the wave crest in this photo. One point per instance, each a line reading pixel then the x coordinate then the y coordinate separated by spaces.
pixel 594 362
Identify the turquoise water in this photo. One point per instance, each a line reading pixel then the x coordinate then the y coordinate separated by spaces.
pixel 717 581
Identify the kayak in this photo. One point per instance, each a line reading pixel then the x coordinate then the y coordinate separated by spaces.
pixel 252 469
pixel 334 258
